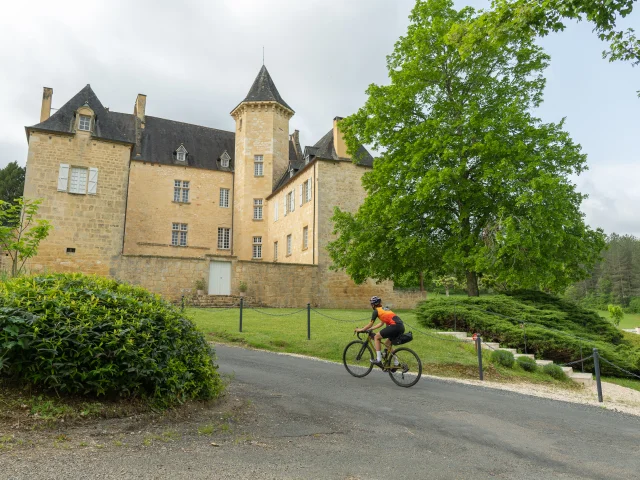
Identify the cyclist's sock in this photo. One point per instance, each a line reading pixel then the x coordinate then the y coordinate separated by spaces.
pixel 379 355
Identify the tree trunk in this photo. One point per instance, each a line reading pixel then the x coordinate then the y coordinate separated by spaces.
pixel 446 290
pixel 421 281
pixel 14 265
pixel 472 284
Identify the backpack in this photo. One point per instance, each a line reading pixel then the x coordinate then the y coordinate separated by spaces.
pixel 403 338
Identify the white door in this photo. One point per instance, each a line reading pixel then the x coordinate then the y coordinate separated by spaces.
pixel 220 278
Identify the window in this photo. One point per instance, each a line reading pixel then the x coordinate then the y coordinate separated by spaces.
pixel 78 181
pixel 257 247
pixel 84 123
pixel 224 159
pixel 224 238
pixel 258 165
pixel 180 191
pixel 275 251
pixel 306 191
pixel 224 197
pixel 306 159
pixel 257 209
pixel 275 211
pixel 74 180
pixel 71 250
pixel 179 235
pixel 289 244
pixel 181 154
pixel 305 238
pixel 289 202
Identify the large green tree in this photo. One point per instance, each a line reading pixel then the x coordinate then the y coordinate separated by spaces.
pixel 541 17
pixel 11 182
pixel 469 181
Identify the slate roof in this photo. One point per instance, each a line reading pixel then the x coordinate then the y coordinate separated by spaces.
pixel 264 90
pixel 161 138
pixel 108 125
pixel 325 149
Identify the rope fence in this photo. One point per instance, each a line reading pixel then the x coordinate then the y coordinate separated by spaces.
pixel 479 344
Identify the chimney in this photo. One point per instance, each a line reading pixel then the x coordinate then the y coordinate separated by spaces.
pixel 338 140
pixel 45 111
pixel 139 108
pixel 295 138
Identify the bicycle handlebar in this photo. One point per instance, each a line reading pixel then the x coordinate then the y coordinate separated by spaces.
pixel 368 332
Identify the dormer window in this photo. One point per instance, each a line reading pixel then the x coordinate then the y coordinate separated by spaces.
pixel 291 173
pixel 224 159
pixel 84 123
pixel 307 158
pixel 181 154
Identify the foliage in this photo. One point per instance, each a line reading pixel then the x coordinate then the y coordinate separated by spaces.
pixel 502 357
pixel 615 279
pixel 616 314
pixel 554 371
pixel 528 364
pixel 200 284
pixel 242 286
pixel 449 282
pixel 95 336
pixel 11 182
pixel 468 177
pixel 532 17
pixel 555 329
pixel 20 232
pixel 634 305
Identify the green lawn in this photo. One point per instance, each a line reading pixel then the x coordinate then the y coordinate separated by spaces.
pixel 285 330
pixel 630 320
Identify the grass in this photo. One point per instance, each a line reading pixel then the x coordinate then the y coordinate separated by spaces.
pixel 285 330
pixel 630 320
pixel 623 382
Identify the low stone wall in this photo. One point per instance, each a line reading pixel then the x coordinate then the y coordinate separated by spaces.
pixel 224 301
pixel 171 277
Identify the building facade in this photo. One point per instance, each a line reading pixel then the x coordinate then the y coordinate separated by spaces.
pixel 164 204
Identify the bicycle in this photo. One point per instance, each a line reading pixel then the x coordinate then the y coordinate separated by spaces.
pixel 402 364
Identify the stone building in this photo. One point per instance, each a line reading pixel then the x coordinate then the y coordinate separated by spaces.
pixel 163 204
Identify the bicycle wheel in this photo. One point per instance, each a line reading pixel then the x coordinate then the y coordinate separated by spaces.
pixel 406 367
pixel 357 358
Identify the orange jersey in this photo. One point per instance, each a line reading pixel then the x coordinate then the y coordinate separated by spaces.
pixel 385 316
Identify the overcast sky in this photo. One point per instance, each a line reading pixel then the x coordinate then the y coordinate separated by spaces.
pixel 195 60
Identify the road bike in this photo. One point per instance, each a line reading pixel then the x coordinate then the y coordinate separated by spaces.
pixel 402 364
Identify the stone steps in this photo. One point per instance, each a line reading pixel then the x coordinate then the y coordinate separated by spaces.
pixel 584 378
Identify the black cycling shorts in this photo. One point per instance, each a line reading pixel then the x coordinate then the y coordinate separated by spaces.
pixel 392 331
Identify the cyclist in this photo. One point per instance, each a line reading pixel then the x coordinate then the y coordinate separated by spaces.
pixel 394 327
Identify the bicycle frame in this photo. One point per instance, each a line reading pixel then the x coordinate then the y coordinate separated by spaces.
pixel 386 362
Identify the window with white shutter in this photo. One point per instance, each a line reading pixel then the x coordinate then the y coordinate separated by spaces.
pixel 292 201
pixel 288 245
pixel 93 181
pixel 63 177
pixel 286 203
pixel 224 197
pixel 305 238
pixel 275 211
pixel 78 180
pixel 301 197
pixel 309 190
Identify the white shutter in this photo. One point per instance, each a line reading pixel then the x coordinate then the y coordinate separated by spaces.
pixel 63 177
pixel 293 199
pixel 93 181
pixel 285 204
pixel 301 193
pixel 309 190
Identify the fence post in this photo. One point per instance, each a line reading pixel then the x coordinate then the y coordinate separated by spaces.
pixel 183 303
pixel 308 321
pixel 455 317
pixel 241 305
pixel 581 358
pixel 479 348
pixel 596 364
pixel 524 327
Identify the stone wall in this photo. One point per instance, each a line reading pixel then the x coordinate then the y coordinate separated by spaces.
pixel 93 225
pixel 304 215
pixel 151 210
pixel 339 184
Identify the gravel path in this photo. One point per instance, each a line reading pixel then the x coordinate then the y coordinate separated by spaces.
pixel 310 419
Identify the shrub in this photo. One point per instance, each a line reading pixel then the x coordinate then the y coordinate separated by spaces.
pixel 554 371
pixel 634 305
pixel 555 329
pixel 616 314
pixel 528 364
pixel 502 357
pixel 95 336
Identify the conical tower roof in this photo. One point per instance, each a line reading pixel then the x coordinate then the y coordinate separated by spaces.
pixel 264 90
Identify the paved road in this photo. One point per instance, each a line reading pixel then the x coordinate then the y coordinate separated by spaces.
pixel 313 420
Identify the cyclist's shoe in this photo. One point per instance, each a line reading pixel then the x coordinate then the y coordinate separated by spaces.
pixel 405 369
pixel 377 363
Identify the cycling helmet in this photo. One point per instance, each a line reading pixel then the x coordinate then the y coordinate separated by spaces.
pixel 375 300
